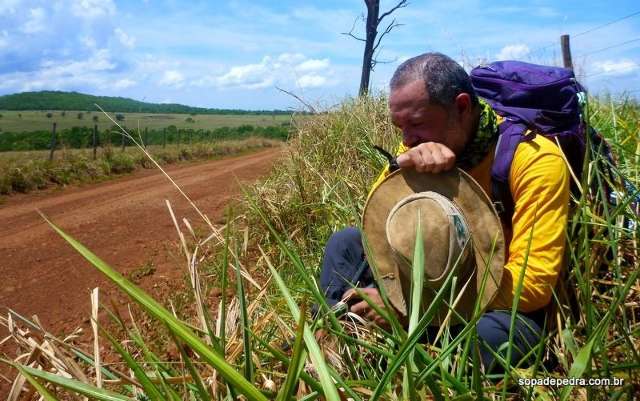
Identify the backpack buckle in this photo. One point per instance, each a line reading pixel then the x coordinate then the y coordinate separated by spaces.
pixel 499 207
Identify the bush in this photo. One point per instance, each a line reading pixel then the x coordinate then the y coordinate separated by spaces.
pixel 19 180
pixel 122 163
pixel 5 185
pixel 80 115
pixel 49 115
pixel 119 116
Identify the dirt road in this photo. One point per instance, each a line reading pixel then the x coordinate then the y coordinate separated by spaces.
pixel 124 221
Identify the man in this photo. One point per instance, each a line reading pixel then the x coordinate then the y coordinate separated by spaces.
pixel 445 125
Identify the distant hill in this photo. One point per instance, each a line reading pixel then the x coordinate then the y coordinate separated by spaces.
pixel 55 100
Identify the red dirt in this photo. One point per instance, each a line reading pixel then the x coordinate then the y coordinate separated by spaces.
pixel 124 221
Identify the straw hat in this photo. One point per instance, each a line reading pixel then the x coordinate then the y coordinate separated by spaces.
pixel 458 224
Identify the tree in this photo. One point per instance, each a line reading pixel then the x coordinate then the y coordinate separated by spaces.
pixel 49 115
pixel 120 117
pixel 95 119
pixel 372 39
pixel 80 115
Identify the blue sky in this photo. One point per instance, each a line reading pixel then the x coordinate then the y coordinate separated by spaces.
pixel 233 54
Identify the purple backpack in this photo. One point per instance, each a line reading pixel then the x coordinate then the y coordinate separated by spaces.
pixel 544 100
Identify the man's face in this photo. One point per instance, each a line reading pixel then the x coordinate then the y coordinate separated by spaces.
pixel 423 122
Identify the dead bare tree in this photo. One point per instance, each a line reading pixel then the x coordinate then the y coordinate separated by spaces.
pixel 372 39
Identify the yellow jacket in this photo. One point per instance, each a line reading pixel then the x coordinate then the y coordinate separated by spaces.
pixel 539 185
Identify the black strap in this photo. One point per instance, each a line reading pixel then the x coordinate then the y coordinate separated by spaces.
pixel 393 161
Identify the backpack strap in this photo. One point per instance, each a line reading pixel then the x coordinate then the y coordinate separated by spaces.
pixel 512 132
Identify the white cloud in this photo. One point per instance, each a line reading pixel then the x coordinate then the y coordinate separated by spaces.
pixel 614 68
pixel 92 8
pixel 172 78
pixel 8 6
pixel 250 76
pixel 97 62
pixel 313 65
pixel 513 52
pixel 35 23
pixel 311 81
pixel 291 58
pixel 64 74
pixel 124 83
pixel 126 40
pixel 281 70
pixel 4 39
pixel 88 41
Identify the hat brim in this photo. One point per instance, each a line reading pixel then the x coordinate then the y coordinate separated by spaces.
pixel 487 239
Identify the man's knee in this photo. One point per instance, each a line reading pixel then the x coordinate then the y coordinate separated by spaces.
pixel 347 238
pixel 493 331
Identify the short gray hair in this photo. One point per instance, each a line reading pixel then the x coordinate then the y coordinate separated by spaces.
pixel 444 78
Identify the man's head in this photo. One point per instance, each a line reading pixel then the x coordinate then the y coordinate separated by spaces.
pixel 432 100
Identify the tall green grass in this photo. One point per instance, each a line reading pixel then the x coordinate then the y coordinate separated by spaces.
pixel 275 247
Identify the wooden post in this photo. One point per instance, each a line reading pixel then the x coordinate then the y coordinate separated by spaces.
pixel 566 52
pixel 164 138
pixel 123 137
pixel 53 142
pixel 95 141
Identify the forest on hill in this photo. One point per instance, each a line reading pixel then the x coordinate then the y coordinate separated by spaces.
pixel 57 100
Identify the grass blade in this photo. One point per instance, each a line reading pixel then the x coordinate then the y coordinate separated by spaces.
pixel 417 283
pixel 329 388
pixel 70 384
pixel 298 352
pixel 173 324
pixel 42 390
pixel 244 316
pixel 149 388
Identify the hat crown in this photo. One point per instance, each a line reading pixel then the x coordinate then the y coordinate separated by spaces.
pixel 445 234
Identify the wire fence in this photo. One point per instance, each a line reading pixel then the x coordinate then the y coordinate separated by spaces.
pixel 604 72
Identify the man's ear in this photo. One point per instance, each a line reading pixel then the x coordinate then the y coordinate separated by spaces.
pixel 463 103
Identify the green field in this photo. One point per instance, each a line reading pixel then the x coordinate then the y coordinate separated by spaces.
pixel 21 121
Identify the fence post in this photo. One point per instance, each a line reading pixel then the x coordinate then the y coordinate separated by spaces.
pixel 566 52
pixel 164 138
pixel 53 142
pixel 95 141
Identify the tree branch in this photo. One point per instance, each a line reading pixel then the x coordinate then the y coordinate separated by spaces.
pixel 350 33
pixel 375 61
pixel 307 105
pixel 388 29
pixel 401 4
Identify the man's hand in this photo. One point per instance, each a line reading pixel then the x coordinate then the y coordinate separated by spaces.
pixel 363 308
pixel 428 157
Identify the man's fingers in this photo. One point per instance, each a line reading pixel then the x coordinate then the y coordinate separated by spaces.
pixel 348 294
pixel 404 160
pixel 360 308
pixel 428 157
pixel 449 156
pixel 438 159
